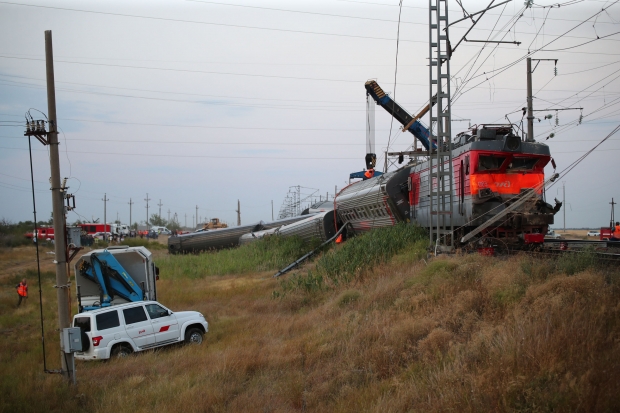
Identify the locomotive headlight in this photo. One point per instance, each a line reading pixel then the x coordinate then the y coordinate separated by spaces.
pixel 512 142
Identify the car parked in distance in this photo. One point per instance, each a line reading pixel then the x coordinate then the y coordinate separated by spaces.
pixel 119 330
pixel 161 230
pixel 594 233
pixel 552 234
pixel 99 235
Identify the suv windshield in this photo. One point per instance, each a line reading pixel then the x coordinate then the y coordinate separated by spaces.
pixel 522 164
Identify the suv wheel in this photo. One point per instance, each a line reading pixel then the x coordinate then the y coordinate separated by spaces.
pixel 121 351
pixel 194 336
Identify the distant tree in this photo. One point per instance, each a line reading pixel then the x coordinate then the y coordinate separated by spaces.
pixel 173 225
pixel 117 222
pixel 157 220
pixel 134 226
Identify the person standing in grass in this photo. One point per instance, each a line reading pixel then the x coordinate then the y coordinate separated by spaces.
pixel 22 291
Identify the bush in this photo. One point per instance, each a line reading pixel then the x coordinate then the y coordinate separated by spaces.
pixel 359 254
pixel 573 262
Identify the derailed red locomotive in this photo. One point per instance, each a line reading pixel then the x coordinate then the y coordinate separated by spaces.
pixel 492 168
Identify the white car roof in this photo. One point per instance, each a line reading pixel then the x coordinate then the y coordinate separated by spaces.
pixel 116 307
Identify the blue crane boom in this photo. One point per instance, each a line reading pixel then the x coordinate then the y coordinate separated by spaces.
pixel 112 278
pixel 409 122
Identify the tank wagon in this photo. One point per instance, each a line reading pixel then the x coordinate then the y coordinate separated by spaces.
pixel 492 167
pixel 223 237
pixel 320 226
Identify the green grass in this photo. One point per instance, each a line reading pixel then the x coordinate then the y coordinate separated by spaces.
pixel 360 254
pixel 143 242
pixel 270 253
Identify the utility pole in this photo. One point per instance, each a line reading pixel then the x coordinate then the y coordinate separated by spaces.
pixel 168 214
pixel 530 109
pixel 530 105
pixel 238 211
pixel 67 361
pixel 196 217
pixel 272 209
pixel 105 218
pixel 611 221
pixel 130 204
pixel 147 199
pixel 185 220
pixel 160 204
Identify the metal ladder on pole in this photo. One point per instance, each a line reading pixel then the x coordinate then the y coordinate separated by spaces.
pixel 440 173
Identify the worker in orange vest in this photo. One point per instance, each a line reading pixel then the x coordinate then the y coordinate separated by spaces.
pixel 369 174
pixel 616 233
pixel 22 291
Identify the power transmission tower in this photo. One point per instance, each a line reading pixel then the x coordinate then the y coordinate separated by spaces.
pixel 196 217
pixel 168 214
pixel 160 204
pixel 147 199
pixel 441 185
pixel 185 220
pixel 130 204
pixel 105 219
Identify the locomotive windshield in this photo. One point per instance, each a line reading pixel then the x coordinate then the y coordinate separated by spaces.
pixel 521 164
pixel 490 162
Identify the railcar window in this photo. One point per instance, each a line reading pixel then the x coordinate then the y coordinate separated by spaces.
pixel 489 162
pixel 522 164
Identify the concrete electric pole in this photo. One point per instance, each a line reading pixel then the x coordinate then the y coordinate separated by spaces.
pixel 147 199
pixel 105 218
pixel 238 211
pixel 530 109
pixel 60 248
pixel 130 204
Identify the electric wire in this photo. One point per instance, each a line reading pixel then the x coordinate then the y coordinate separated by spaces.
pixel 236 26
pixel 395 76
pixel 35 237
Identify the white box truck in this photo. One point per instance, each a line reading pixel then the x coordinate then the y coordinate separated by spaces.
pixel 115 275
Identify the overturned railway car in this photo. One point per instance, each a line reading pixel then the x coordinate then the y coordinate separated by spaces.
pixel 492 167
pixel 320 226
pixel 223 237
pixel 210 240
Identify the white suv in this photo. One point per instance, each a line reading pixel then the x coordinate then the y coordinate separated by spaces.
pixel 120 330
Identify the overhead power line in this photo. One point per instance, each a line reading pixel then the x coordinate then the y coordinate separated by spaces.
pixel 239 26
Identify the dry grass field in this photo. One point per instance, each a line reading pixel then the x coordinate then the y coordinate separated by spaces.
pixel 462 333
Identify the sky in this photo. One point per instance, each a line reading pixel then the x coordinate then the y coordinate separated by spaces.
pixel 201 104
